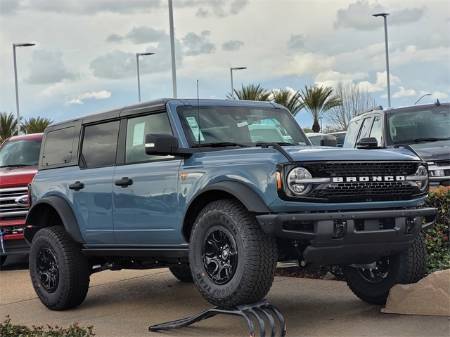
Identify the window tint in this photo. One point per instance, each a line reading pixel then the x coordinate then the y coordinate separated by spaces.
pixel 352 133
pixel 137 128
pixel 99 145
pixel 365 129
pixel 377 130
pixel 58 149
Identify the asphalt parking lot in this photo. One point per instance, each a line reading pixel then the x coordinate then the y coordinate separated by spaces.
pixel 124 303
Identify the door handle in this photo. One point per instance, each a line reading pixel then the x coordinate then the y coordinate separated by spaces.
pixel 124 182
pixel 76 186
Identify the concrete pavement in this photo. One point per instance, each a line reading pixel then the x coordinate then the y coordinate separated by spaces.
pixel 124 303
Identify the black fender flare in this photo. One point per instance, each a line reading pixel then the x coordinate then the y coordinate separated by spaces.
pixel 247 196
pixel 64 211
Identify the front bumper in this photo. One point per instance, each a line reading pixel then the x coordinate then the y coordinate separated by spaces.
pixel 439 174
pixel 12 241
pixel 351 236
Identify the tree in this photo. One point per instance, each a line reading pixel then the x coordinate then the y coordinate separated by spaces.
pixel 36 125
pixel 318 100
pixel 251 92
pixel 8 126
pixel 289 99
pixel 354 101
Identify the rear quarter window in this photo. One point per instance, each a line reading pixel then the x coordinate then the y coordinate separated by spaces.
pixel 59 148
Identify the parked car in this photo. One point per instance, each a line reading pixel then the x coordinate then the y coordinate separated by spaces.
pixel 425 129
pixel 340 137
pixel 321 139
pixel 19 157
pixel 182 184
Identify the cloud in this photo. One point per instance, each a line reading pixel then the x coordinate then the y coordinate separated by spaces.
pixel 195 44
pixel 358 15
pixel 92 95
pixel 218 8
pixel 332 78
pixel 439 95
pixel 138 35
pixel 8 7
pixel 232 45
pixel 380 83
pixel 48 67
pixel 296 42
pixel 402 92
pixel 309 63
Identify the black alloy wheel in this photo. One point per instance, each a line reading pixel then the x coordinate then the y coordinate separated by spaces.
pixel 48 269
pixel 220 255
pixel 375 272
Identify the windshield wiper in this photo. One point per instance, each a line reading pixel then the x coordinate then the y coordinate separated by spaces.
pixel 219 144
pixel 429 139
pixel 277 147
pixel 15 165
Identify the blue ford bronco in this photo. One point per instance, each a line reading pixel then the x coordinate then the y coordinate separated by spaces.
pixel 219 191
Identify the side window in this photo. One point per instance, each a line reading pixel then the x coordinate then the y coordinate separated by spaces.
pixel 377 129
pixel 99 145
pixel 365 128
pixel 58 148
pixel 352 133
pixel 137 128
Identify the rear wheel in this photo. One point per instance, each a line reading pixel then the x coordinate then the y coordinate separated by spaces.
pixel 59 271
pixel 372 282
pixel 232 260
pixel 182 272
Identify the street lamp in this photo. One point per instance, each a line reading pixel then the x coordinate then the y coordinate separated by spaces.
pixel 137 70
pixel 384 15
pixel 15 45
pixel 420 98
pixel 231 77
pixel 172 50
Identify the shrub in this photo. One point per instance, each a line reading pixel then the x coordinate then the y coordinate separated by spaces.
pixel 437 237
pixel 7 329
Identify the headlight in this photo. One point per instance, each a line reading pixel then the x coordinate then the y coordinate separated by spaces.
pixel 297 181
pixel 420 178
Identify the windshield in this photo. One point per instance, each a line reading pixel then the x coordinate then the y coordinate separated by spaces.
pixel 409 127
pixel 209 126
pixel 20 153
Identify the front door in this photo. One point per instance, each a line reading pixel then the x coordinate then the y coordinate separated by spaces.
pixel 91 186
pixel 145 188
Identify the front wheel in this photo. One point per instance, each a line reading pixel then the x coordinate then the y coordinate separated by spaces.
pixel 372 282
pixel 232 260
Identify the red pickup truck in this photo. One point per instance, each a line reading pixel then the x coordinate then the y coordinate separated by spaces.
pixel 19 157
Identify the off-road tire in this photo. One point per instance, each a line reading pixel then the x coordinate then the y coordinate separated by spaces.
pixel 256 255
pixel 182 272
pixel 406 267
pixel 73 269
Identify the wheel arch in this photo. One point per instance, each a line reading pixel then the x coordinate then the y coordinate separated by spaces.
pixel 222 190
pixel 51 211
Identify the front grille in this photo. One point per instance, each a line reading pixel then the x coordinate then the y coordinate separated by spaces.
pixel 443 163
pixel 9 207
pixel 346 169
pixel 373 187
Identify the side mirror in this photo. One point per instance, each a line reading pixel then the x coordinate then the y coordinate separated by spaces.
pixel 161 144
pixel 367 143
pixel 328 141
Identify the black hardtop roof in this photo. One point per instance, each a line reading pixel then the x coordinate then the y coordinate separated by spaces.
pixel 155 105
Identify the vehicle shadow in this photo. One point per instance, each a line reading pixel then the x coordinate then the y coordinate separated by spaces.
pixel 17 262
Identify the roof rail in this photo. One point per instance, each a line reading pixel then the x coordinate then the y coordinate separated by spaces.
pixel 375 108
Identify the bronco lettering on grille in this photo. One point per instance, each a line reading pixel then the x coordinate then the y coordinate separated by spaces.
pixel 367 178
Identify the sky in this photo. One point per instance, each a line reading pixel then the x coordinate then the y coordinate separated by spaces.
pixel 84 59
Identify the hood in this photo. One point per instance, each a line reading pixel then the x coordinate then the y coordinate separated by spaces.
pixel 317 153
pixel 433 151
pixel 16 176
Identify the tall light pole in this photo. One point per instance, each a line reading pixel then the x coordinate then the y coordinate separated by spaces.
pixel 138 72
pixel 16 45
pixel 384 15
pixel 172 50
pixel 231 78
pixel 420 98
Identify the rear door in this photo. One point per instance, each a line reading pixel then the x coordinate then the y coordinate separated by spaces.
pixel 146 211
pixel 92 185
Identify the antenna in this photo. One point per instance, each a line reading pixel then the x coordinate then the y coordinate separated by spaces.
pixel 198 115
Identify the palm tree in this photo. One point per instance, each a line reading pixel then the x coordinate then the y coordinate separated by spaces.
pixel 251 92
pixel 318 100
pixel 8 126
pixel 289 99
pixel 36 125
